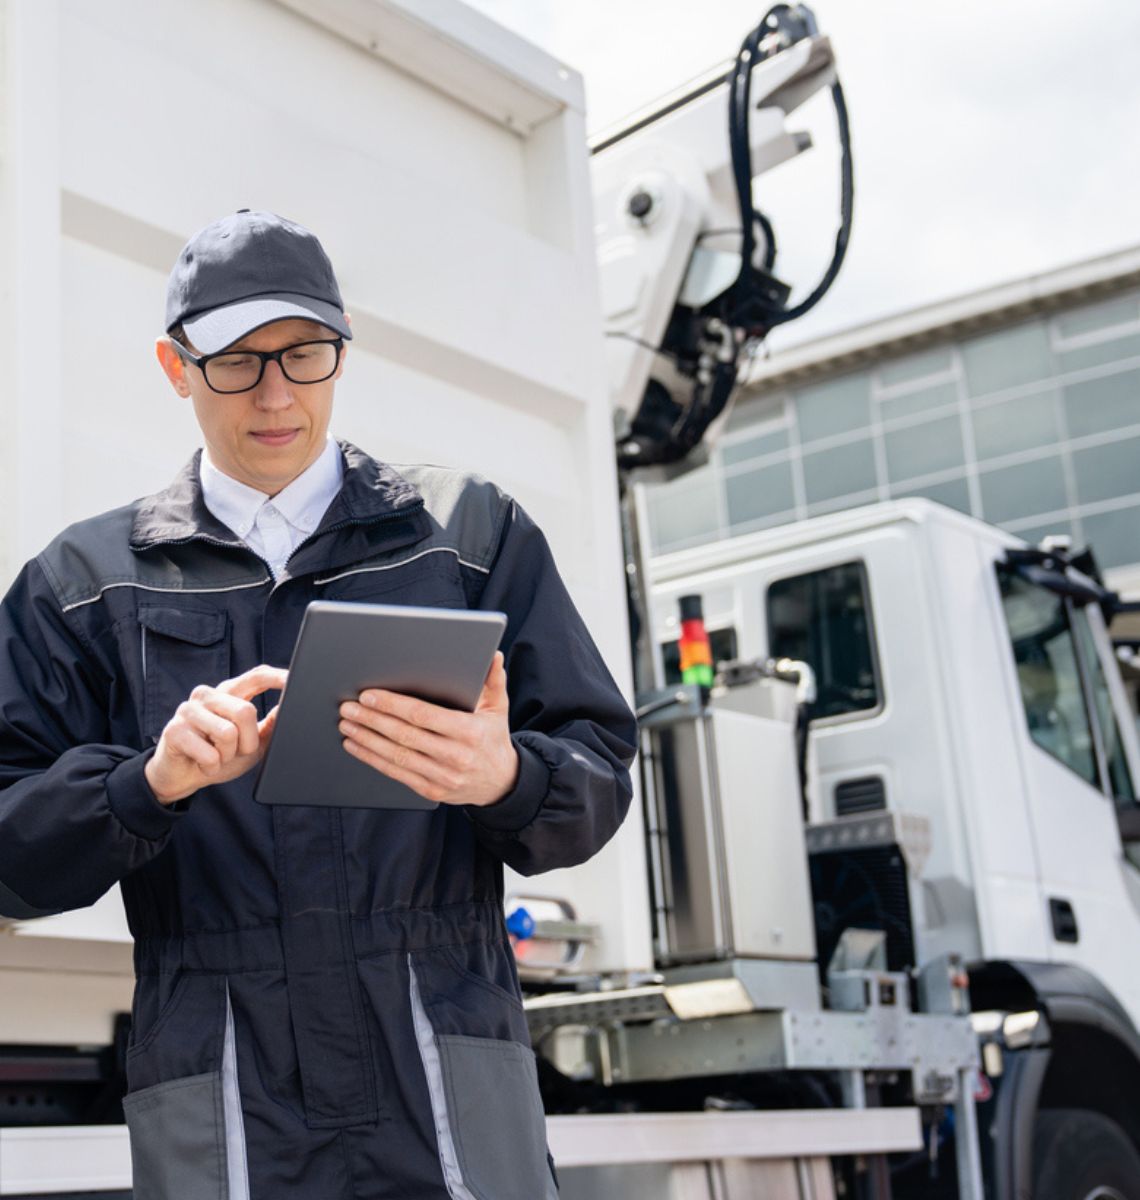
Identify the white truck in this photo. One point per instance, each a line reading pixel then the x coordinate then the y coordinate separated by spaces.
pixel 685 1043
pixel 971 793
pixel 940 823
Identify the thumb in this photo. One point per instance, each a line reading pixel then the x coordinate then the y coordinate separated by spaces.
pixel 494 695
pixel 265 728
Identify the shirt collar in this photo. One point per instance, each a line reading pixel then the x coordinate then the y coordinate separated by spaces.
pixel 302 503
pixel 306 499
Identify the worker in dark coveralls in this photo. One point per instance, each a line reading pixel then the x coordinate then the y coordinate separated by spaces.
pixel 327 1005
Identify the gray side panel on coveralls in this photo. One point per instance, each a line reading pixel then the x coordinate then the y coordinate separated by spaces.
pixel 178 1143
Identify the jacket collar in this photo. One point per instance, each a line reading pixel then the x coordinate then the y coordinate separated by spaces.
pixel 371 491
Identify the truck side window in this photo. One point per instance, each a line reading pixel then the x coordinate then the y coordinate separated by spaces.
pixel 824 619
pixel 1047 674
pixel 722 642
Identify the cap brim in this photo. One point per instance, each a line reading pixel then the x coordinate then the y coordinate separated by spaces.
pixel 212 331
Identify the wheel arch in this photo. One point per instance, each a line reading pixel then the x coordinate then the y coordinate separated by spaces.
pixel 1090 1060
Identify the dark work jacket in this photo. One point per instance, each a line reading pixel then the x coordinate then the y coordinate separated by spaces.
pixel 326 997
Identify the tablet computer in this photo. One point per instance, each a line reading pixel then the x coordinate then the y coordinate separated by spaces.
pixel 437 654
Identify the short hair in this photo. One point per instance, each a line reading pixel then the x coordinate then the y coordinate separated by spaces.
pixel 178 333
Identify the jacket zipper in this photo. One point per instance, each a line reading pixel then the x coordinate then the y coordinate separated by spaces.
pixel 344 525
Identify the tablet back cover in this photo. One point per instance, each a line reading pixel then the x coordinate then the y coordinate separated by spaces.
pixel 436 654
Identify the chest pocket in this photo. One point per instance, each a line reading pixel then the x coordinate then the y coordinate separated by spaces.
pixel 181 648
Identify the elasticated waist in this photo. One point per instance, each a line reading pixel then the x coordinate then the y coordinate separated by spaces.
pixel 260 948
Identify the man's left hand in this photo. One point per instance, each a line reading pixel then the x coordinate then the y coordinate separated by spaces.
pixel 446 756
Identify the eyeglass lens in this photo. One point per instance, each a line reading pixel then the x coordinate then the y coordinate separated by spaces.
pixel 309 362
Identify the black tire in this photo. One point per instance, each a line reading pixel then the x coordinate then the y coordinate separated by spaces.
pixel 1081 1155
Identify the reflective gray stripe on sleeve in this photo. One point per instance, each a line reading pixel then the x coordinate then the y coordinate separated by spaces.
pixel 429 1053
pixel 237 1170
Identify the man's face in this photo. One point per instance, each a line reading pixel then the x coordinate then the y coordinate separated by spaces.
pixel 267 436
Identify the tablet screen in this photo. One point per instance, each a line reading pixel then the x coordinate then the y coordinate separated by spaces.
pixel 437 654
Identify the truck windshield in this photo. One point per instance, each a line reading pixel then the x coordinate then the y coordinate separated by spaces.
pixel 823 618
pixel 1052 642
pixel 1118 773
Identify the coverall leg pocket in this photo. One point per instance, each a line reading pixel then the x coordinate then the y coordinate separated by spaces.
pixel 501 1147
pixel 178 1149
pixel 485 1101
pixel 183 1109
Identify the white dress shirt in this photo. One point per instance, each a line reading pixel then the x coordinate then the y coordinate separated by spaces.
pixel 274 526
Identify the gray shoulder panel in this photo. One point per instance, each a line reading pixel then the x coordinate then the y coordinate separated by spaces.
pixel 467 511
pixel 93 555
pixel 86 556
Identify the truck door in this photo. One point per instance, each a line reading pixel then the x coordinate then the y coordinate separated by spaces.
pixel 1080 774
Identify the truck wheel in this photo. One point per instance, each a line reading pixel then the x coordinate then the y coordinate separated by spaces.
pixel 1082 1155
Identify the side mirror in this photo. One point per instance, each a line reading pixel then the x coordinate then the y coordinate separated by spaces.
pixel 1060 583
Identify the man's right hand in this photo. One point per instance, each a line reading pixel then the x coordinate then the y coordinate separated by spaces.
pixel 214 736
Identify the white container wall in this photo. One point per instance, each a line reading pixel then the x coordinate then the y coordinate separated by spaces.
pixel 442 162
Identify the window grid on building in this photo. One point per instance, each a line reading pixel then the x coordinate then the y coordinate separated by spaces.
pixel 1033 427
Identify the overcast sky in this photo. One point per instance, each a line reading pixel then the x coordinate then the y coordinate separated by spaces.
pixel 991 141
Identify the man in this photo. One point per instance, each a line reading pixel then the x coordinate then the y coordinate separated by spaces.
pixel 327 1004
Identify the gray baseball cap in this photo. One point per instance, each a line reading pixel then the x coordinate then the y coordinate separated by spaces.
pixel 245 271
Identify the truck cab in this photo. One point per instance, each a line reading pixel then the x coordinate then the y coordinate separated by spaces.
pixel 967 680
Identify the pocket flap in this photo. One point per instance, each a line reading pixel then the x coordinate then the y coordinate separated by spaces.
pixel 185 624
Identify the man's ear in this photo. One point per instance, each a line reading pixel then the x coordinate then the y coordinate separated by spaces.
pixel 172 364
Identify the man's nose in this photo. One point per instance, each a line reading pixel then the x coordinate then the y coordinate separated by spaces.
pixel 274 390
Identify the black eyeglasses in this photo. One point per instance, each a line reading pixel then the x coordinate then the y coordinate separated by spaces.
pixel 231 371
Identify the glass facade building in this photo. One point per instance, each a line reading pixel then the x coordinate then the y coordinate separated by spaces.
pixel 1029 422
